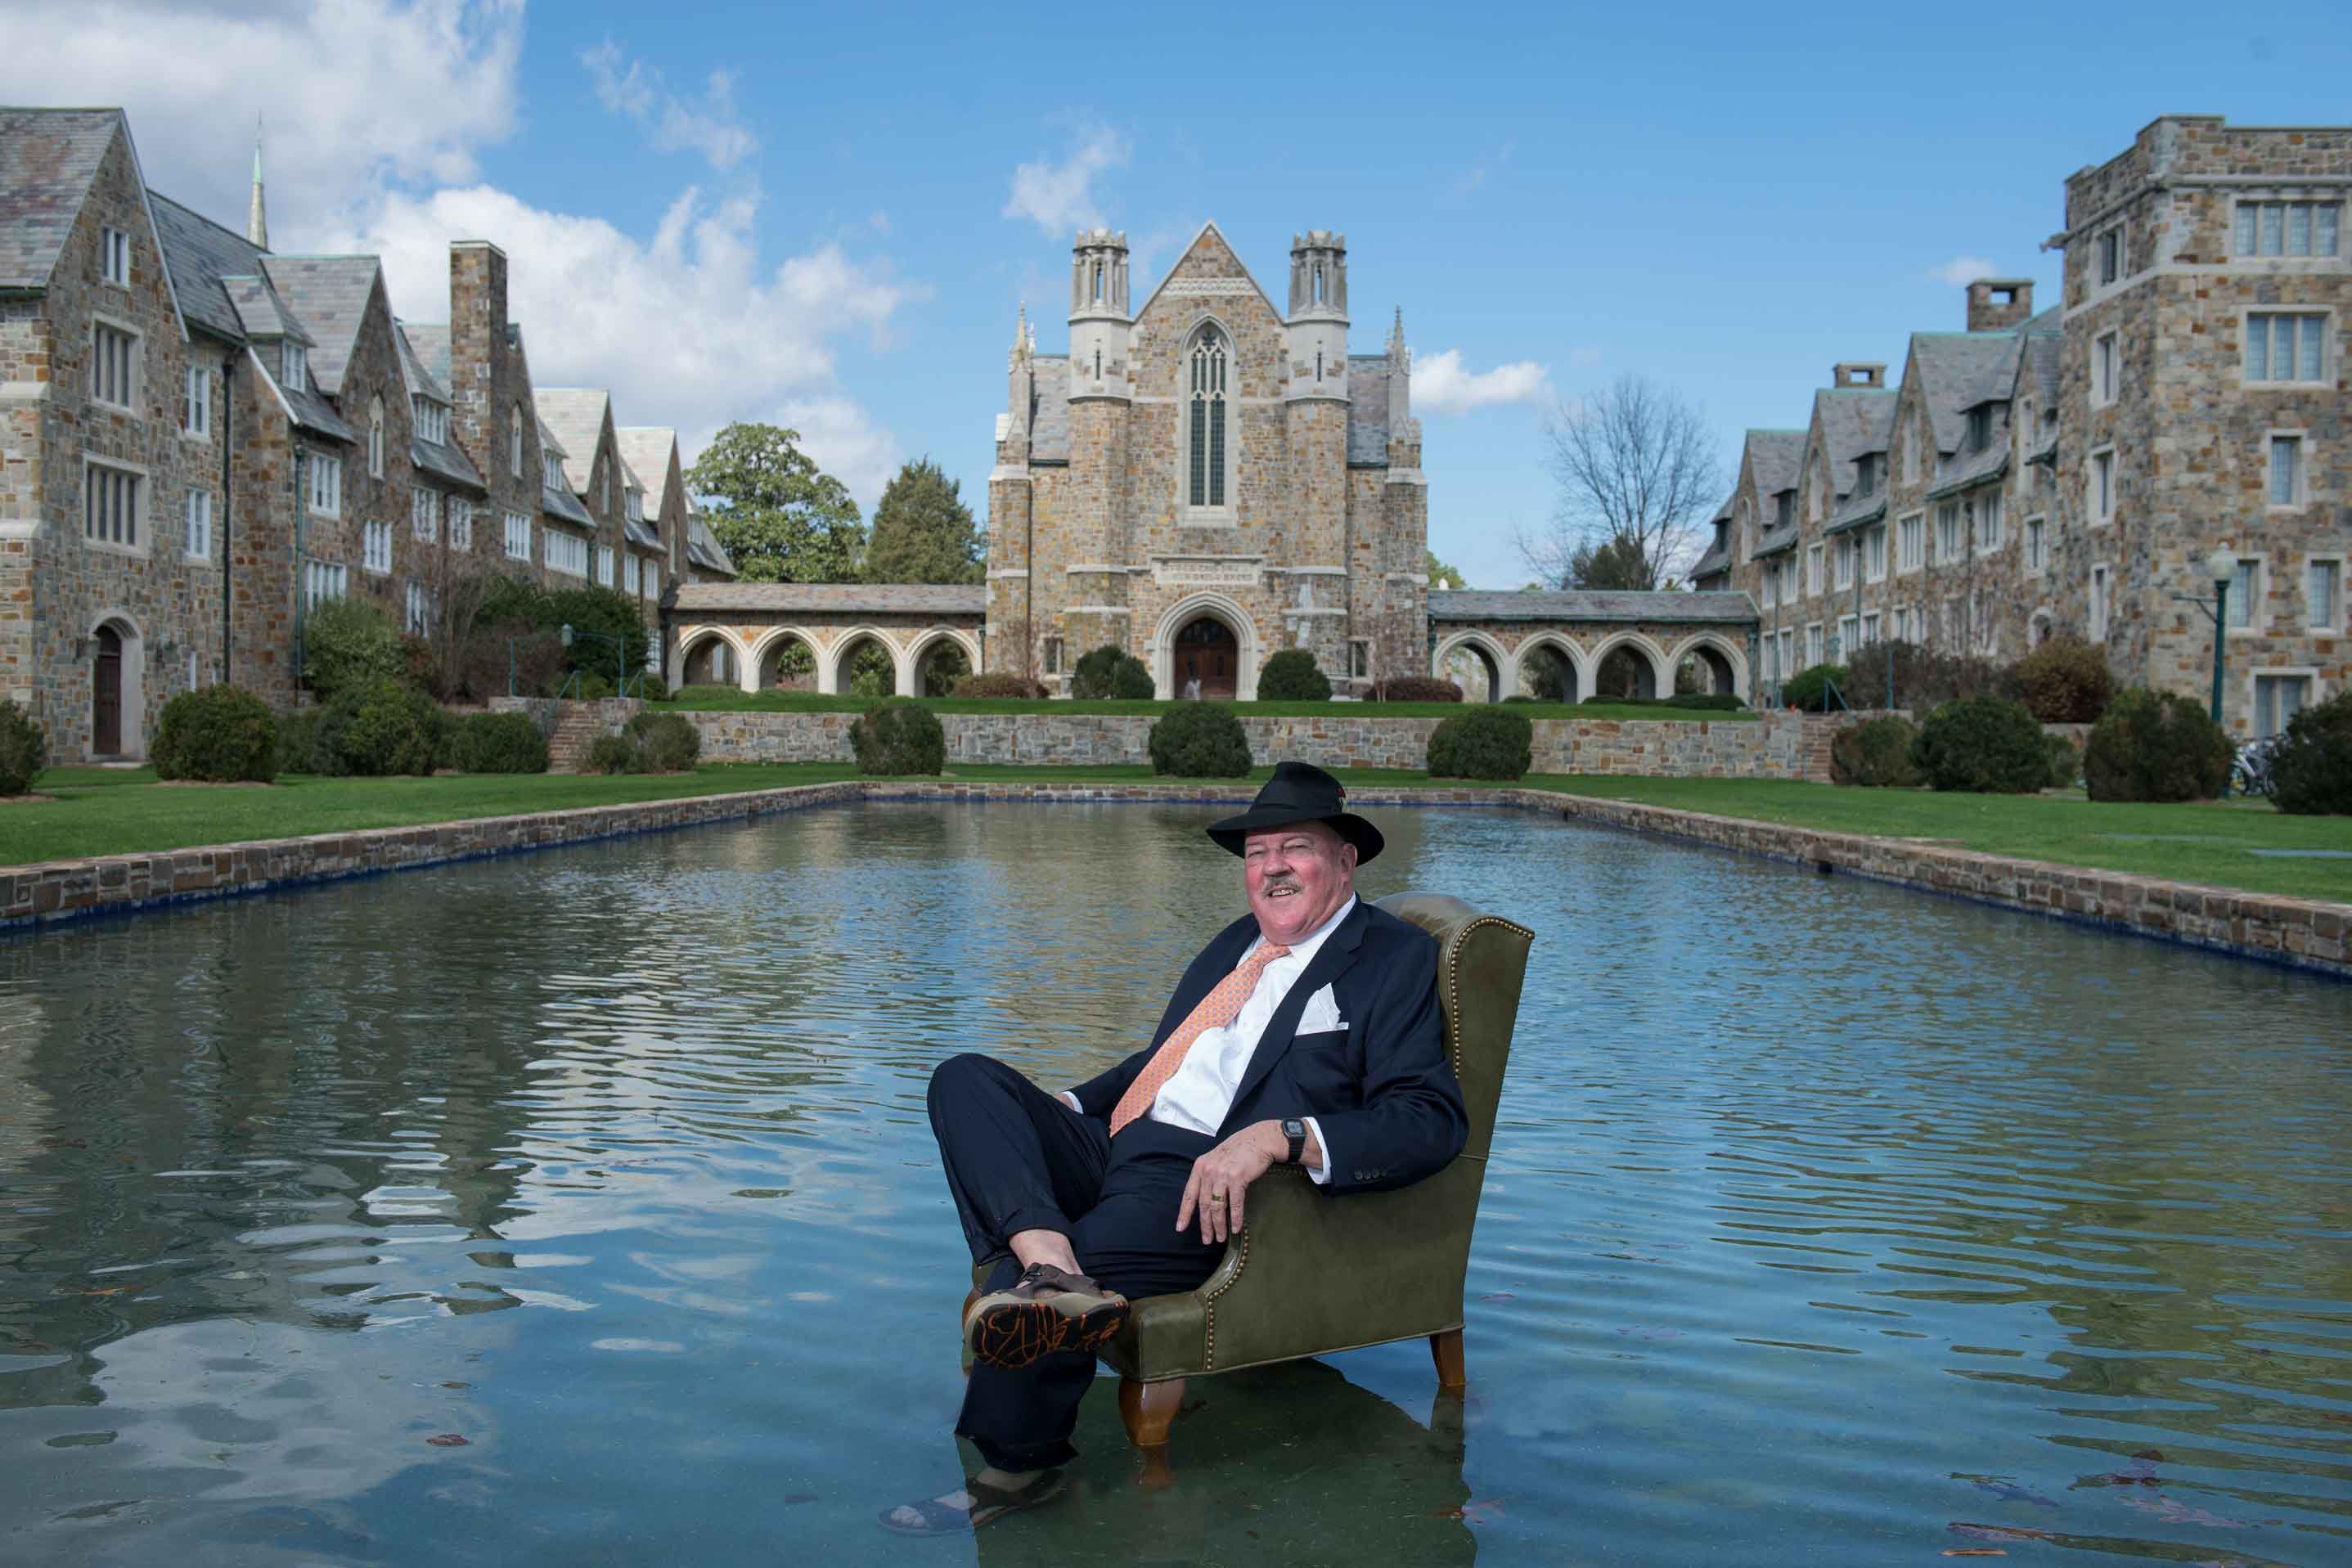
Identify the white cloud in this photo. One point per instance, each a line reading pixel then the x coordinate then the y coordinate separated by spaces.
pixel 1961 271
pixel 634 90
pixel 1059 197
pixel 1443 385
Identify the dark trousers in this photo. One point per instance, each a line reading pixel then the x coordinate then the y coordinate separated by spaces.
pixel 1018 1159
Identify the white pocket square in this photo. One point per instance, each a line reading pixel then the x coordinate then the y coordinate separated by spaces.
pixel 1321 1014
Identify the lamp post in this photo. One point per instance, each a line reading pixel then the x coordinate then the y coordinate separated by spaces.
pixel 2222 566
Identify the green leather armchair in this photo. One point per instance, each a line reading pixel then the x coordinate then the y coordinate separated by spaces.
pixel 1309 1274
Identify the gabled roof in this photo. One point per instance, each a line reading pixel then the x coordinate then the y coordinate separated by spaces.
pixel 419 377
pixel 576 415
pixel 303 406
pixel 1849 418
pixel 200 254
pixel 645 451
pixel 703 548
pixel 1591 604
pixel 445 460
pixel 48 159
pixel 329 293
pixel 430 342
pixel 1773 457
pixel 643 534
pixel 1209 228
pixel 261 313
pixel 1958 370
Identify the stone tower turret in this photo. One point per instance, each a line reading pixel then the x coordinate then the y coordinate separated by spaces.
pixel 1099 322
pixel 1089 580
pixel 1316 333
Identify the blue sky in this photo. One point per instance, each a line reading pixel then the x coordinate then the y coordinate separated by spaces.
pixel 1724 199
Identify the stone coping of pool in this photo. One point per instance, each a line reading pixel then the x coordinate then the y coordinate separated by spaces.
pixel 2309 935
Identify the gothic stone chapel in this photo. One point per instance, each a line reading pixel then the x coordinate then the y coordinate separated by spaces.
pixel 1209 480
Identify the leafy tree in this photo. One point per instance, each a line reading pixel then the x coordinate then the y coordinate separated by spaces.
pixel 780 517
pixel 1617 563
pixel 922 531
pixel 1441 575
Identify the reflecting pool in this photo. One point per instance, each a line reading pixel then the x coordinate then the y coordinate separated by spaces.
pixel 1827 1222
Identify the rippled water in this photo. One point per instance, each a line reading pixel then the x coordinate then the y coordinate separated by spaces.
pixel 1826 1222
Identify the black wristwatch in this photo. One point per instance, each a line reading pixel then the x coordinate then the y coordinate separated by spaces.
pixel 1295 1131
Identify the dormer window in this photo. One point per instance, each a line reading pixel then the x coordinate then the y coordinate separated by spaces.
pixel 293 366
pixel 432 420
pixel 1865 474
pixel 634 500
pixel 550 470
pixel 1784 508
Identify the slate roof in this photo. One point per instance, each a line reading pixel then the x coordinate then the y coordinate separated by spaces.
pixel 703 548
pixel 1717 558
pixel 1851 418
pixel 564 506
pixel 1367 416
pixel 1588 604
pixel 430 339
pixel 576 415
pixel 48 157
pixel 199 254
pixel 2044 351
pixel 1856 510
pixel 1959 370
pixel 643 534
pixel 1774 456
pixel 261 313
pixel 1967 468
pixel 645 451
pixel 1049 410
pixel 329 295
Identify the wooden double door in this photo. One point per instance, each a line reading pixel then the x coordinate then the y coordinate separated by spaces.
pixel 1207 652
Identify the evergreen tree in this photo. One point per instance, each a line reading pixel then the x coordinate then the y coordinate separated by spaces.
pixel 782 518
pixel 922 531
pixel 1440 574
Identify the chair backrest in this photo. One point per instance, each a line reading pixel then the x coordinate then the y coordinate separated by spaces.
pixel 1482 961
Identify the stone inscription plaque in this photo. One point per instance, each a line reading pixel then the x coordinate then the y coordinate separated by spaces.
pixel 1205 571
pixel 1212 285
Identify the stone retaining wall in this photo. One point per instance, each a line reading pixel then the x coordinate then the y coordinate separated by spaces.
pixel 1772 746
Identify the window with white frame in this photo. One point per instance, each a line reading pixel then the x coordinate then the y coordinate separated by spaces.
pixel 109 505
pixel 1205 416
pixel 567 553
pixel 2101 580
pixel 1772 581
pixel 114 256
pixel 1814 581
pixel 2277 699
pixel 1947 623
pixel 424 516
pixel 550 470
pixel 1816 651
pixel 2106 354
pixel 2287 485
pixel 2107 257
pixel 322 581
pixel 1874 553
pixel 1870 628
pixel 1988 522
pixel 375 546
pixel 2288 228
pixel 419 619
pixel 461 522
pixel 2037 558
pixel 2101 500
pixel 1849 635
pixel 293 365
pixel 198 538
pixel 191 670
pixel 518 537
pixel 1948 533
pixel 1788 652
pixel 1360 658
pixel 376 437
pixel 1841 561
pixel 633 503
pixel 2286 346
pixel 432 420
pixel 630 577
pixel 326 484
pixel 603 566
pixel 114 353
pixel 1789 579
pixel 514 442
pixel 2322 594
pixel 1910 542
pixel 2246 593
pixel 197 402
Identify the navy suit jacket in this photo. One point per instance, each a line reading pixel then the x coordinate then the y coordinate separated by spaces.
pixel 1381 1090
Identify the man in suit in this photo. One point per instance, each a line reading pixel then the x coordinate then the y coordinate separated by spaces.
pixel 1306 1032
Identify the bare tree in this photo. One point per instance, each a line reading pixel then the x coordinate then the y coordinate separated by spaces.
pixel 1635 471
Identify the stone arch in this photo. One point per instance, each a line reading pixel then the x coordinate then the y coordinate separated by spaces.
pixel 832 663
pixel 1725 661
pixel 759 659
pixel 129 682
pixel 1580 678
pixel 694 664
pixel 929 638
pixel 1501 668
pixel 1183 613
pixel 1653 657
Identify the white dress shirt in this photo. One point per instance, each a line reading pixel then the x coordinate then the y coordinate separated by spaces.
pixel 1200 1095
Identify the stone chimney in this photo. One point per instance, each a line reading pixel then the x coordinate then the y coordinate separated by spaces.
pixel 1858 374
pixel 478 352
pixel 1997 304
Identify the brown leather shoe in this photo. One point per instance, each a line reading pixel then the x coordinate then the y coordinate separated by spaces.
pixel 1044 1312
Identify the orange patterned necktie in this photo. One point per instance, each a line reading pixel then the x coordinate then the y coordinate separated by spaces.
pixel 1217 1010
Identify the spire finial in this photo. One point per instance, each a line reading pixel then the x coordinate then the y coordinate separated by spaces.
pixel 257 220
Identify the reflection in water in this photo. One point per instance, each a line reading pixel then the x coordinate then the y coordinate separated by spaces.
pixel 1824 1220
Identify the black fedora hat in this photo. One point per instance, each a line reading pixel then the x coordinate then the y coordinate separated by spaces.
pixel 1299 792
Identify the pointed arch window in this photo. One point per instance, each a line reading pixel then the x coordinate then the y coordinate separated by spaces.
pixel 376 437
pixel 1205 416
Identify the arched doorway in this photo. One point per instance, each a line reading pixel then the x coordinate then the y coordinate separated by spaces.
pixel 940 664
pixel 709 661
pixel 1546 673
pixel 788 664
pixel 1208 660
pixel 106 696
pixel 866 668
pixel 1705 669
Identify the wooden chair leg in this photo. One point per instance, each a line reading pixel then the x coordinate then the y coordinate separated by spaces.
pixel 1445 1350
pixel 1147 1409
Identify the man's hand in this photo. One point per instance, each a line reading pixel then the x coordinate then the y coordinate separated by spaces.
pixel 1224 1174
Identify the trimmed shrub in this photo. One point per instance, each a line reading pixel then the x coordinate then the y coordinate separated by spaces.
pixel 497 743
pixel 1522 697
pixel 1290 676
pixel 1199 740
pixel 1989 745
pixel 1417 689
pixel 348 645
pixel 1925 679
pixel 1702 702
pixel 298 741
pixel 2311 769
pixel 2156 745
pixel 650 686
pixel 1483 742
pixel 998 683
pixel 24 749
pixel 218 734
pixel 670 742
pixel 2065 681
pixel 2065 761
pixel 901 737
pixel 1875 754
pixel 381 730
pixel 613 754
pixel 1112 671
pixel 1810 688
pixel 590 687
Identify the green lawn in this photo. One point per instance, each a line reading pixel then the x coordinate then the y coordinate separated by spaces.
pixel 2211 843
pixel 718 699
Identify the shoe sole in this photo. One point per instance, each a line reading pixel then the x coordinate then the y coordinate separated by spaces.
pixel 1014 1335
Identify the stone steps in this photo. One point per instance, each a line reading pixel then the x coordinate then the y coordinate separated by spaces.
pixel 577 725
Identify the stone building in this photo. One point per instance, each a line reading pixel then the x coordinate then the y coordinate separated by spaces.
pixel 1208 479
pixel 2069 472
